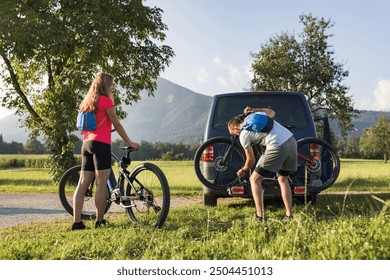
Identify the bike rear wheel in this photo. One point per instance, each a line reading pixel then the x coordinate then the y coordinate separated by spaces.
pixel 321 162
pixel 67 187
pixel 217 161
pixel 151 207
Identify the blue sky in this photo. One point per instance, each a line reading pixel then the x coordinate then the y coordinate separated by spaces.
pixel 213 40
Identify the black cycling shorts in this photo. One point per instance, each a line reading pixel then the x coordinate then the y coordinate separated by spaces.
pixel 266 173
pixel 95 156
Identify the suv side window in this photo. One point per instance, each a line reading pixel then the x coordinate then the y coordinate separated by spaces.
pixel 289 109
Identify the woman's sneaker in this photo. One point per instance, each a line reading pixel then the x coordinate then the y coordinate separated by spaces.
pixel 101 223
pixel 78 226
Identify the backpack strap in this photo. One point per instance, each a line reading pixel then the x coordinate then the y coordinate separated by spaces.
pixel 101 121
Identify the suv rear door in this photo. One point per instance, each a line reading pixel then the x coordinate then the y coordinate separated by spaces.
pixel 291 109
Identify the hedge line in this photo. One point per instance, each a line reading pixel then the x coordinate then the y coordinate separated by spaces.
pixel 24 161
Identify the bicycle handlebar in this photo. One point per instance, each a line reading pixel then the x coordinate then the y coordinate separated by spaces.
pixel 128 149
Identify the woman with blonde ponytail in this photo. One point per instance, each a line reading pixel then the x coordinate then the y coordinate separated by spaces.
pixel 96 148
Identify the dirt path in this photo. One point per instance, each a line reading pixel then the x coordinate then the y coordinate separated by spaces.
pixel 25 208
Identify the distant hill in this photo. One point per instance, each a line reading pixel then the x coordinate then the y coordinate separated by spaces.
pixel 11 131
pixel 365 120
pixel 175 114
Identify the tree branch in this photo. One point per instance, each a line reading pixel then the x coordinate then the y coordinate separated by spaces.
pixel 17 87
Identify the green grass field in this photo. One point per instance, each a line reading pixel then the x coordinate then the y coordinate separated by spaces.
pixel 180 175
pixel 363 175
pixel 355 175
pixel 337 228
pixel 350 221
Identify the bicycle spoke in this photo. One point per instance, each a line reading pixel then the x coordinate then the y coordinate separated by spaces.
pixel 319 161
pixel 217 161
pixel 151 203
pixel 67 187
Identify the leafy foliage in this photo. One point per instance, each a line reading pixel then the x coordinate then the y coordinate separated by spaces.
pixel 10 148
pixel 159 150
pixel 50 50
pixel 376 140
pixel 305 63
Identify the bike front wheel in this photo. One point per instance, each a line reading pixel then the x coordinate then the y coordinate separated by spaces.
pixel 318 164
pixel 67 187
pixel 150 190
pixel 217 161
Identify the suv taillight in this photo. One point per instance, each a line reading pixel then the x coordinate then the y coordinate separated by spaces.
pixel 208 154
pixel 315 151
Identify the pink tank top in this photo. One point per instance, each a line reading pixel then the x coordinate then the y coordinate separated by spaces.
pixel 103 132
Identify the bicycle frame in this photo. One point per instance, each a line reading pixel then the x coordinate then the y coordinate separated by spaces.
pixel 311 163
pixel 114 185
pixel 112 182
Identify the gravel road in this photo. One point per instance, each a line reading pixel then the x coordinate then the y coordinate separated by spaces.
pixel 25 208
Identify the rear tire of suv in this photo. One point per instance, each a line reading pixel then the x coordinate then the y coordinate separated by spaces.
pixel 209 200
pixel 312 198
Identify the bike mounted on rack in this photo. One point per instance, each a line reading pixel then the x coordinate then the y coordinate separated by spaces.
pixel 218 160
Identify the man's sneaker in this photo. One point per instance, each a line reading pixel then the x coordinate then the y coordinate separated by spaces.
pixel 287 218
pixel 259 218
pixel 78 226
pixel 101 223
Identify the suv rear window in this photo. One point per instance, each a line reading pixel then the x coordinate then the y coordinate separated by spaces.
pixel 289 109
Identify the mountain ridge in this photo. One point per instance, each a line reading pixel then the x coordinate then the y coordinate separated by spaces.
pixel 174 114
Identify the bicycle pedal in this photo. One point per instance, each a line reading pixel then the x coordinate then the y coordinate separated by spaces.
pixel 126 206
pixel 115 196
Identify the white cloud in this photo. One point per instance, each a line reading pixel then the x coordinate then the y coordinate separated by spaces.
pixel 382 95
pixel 220 76
pixel 217 61
pixel 222 81
pixel 249 71
pixel 379 100
pixel 229 75
pixel 201 74
pixel 231 70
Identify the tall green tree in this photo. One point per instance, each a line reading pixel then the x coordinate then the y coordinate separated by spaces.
pixel 349 147
pixel 34 146
pixel 376 140
pixel 50 50
pixel 305 62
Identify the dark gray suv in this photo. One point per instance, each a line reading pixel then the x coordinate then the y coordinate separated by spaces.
pixel 217 172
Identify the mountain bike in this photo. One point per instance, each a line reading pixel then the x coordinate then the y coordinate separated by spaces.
pixel 143 193
pixel 218 159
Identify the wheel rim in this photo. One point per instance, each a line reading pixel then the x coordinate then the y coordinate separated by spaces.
pixel 151 209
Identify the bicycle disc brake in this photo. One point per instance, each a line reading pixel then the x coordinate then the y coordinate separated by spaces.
pixel 146 201
pixel 219 164
pixel 314 166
